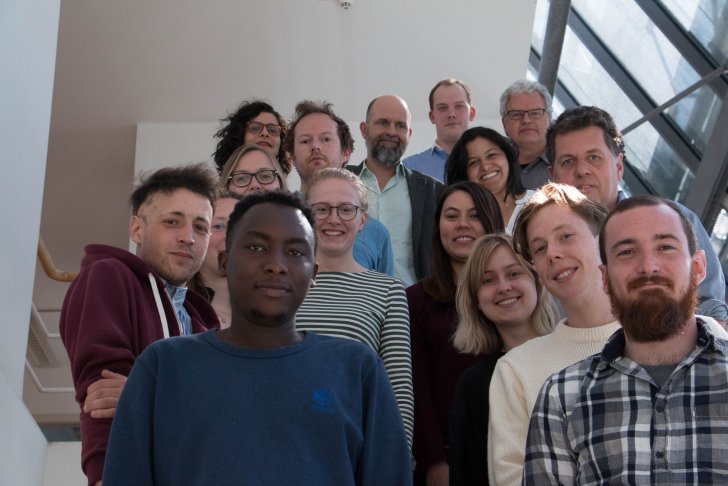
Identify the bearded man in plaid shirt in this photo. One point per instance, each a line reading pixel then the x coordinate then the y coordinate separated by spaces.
pixel 652 407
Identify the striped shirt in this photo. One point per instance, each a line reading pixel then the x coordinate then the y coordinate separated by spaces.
pixel 605 421
pixel 369 307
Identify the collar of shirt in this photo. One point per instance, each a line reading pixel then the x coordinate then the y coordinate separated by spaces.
pixel 177 295
pixel 614 349
pixel 370 180
pixel 437 149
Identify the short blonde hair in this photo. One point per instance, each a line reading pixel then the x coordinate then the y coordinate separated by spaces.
pixel 562 195
pixel 475 332
pixel 238 153
pixel 344 175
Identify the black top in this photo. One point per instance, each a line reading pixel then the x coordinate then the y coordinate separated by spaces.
pixel 468 455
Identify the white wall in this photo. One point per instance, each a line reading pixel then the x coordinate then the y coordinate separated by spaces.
pixel 63 465
pixel 28 33
pixel 348 57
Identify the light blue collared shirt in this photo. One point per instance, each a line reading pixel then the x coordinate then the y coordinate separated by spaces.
pixel 177 295
pixel 392 208
pixel 430 162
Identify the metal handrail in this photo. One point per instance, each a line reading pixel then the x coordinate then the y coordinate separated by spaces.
pixel 682 94
pixel 50 269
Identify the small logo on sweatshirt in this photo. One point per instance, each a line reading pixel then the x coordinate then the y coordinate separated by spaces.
pixel 322 400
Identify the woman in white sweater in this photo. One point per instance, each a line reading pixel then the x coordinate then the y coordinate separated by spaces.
pixel 348 300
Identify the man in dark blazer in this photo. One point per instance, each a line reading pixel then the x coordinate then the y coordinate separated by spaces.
pixel 402 199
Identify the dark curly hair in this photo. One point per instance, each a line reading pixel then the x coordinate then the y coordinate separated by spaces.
pixel 273 197
pixel 232 134
pixel 456 167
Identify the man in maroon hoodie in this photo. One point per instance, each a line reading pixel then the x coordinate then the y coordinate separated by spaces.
pixel 121 302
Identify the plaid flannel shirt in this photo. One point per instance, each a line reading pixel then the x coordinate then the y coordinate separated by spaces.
pixel 604 421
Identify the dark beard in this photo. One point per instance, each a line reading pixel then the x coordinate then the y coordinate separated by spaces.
pixel 388 157
pixel 654 316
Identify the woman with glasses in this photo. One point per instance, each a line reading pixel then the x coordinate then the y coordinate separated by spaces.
pixel 486 157
pixel 465 212
pixel 501 304
pixel 348 300
pixel 252 169
pixel 254 122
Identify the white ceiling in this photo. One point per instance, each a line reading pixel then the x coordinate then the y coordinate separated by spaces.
pixel 183 61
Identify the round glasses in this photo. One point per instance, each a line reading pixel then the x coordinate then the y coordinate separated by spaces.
pixel 256 127
pixel 534 114
pixel 243 179
pixel 345 212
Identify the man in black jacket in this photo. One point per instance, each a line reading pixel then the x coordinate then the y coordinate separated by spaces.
pixel 402 199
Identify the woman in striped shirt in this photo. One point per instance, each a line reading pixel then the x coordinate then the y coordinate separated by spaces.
pixel 348 300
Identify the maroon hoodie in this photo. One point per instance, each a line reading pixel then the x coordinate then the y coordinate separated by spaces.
pixel 109 316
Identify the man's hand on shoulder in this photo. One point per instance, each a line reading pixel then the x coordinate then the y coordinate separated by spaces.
pixel 103 395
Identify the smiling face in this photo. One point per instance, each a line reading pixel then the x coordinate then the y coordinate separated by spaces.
pixel 527 132
pixel 451 113
pixel 649 265
pixel 507 294
pixel 210 265
pixel 582 159
pixel 335 236
pixel 565 253
pixel 271 143
pixel 487 165
pixel 270 265
pixel 459 226
pixel 316 145
pixel 171 231
pixel 252 162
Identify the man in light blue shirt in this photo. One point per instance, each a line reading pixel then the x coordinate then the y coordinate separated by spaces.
pixel 451 111
pixel 402 199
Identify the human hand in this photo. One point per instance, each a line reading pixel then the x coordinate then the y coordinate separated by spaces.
pixel 103 395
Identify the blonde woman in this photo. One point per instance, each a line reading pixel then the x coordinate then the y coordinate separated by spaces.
pixel 252 169
pixel 501 304
pixel 348 300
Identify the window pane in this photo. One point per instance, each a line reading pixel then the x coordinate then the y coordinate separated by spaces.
pixel 539 25
pixel 640 46
pixel 652 157
pixel 706 21
pixel 696 115
pixel 589 83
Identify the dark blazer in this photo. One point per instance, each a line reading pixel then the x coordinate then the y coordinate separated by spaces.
pixel 424 191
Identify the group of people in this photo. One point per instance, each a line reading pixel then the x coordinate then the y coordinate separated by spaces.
pixel 509 316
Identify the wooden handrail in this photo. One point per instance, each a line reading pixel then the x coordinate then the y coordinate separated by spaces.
pixel 50 269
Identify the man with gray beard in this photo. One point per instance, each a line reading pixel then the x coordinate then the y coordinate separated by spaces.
pixel 651 407
pixel 402 199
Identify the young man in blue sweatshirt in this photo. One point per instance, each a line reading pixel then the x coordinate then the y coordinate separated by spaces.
pixel 259 402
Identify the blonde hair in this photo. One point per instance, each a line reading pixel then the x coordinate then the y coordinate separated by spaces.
pixel 342 174
pixel 475 332
pixel 238 153
pixel 561 195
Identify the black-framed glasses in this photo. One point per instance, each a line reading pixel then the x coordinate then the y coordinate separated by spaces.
pixel 243 179
pixel 346 212
pixel 534 114
pixel 256 127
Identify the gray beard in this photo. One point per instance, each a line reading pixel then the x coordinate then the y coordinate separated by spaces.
pixel 388 157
